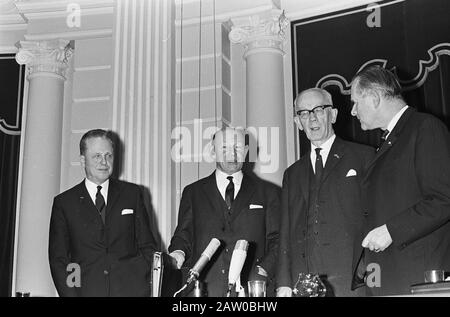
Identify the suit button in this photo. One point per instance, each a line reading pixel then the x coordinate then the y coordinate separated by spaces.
pixel 226 250
pixel 303 255
pixel 365 213
pixel 223 271
pixel 105 272
pixel 316 233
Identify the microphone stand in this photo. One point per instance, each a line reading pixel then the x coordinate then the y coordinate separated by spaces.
pixel 193 276
pixel 230 287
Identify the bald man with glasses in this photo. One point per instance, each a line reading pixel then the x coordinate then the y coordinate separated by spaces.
pixel 322 220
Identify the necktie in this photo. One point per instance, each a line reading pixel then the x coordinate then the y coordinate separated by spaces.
pixel 100 203
pixel 229 192
pixel 318 165
pixel 383 138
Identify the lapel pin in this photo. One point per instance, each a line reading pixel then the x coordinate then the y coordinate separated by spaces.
pixel 336 156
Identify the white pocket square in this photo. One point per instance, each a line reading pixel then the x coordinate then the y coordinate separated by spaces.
pixel 351 172
pixel 127 212
pixel 255 206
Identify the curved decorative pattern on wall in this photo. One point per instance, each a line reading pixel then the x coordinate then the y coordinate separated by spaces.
pixel 425 66
pixel 14 128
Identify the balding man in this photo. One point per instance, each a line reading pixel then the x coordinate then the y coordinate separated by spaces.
pixel 322 218
pixel 228 205
pixel 407 185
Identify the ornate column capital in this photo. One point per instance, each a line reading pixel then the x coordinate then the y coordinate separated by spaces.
pixel 45 56
pixel 265 31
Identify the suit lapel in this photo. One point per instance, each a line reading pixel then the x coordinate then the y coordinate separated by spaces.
pixel 113 194
pixel 304 175
pixel 243 197
pixel 87 207
pixel 336 153
pixel 390 141
pixel 212 193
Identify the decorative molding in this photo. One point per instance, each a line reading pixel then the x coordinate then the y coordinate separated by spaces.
pixel 341 81
pixel 92 68
pixel 329 7
pixel 13 27
pixel 195 90
pixel 224 17
pixel 45 56
pixel 91 99
pixel 26 7
pixel 63 14
pixel 8 50
pixel 73 35
pixel 425 67
pixel 197 58
pixel 263 31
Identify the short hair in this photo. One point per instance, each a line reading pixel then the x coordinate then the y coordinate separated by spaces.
pixel 96 133
pixel 378 78
pixel 325 94
pixel 223 129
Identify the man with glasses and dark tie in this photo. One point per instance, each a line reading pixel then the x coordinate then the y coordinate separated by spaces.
pixel 407 186
pixel 322 219
pixel 100 242
pixel 228 205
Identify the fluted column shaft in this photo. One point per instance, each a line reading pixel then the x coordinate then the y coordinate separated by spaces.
pixel 262 36
pixel 41 166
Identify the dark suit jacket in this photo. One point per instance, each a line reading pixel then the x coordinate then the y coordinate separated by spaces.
pixel 201 218
pixel 340 217
pixel 114 258
pixel 408 189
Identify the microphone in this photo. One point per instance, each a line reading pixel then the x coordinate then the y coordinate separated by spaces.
pixel 237 262
pixel 203 260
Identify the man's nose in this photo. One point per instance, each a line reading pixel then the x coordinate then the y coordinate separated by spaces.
pixel 312 116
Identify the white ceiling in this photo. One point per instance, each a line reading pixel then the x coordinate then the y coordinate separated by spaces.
pixel 15 11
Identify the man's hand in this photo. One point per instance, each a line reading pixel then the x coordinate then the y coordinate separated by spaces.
pixel 284 291
pixel 378 239
pixel 178 256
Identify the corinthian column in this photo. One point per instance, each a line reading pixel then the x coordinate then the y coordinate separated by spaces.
pixel 46 62
pixel 263 36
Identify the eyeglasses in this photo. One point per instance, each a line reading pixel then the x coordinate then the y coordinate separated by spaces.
pixel 318 111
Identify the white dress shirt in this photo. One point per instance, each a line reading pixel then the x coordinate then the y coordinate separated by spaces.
pixel 394 120
pixel 92 189
pixel 326 147
pixel 222 182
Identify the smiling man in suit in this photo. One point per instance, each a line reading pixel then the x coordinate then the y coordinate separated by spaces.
pixel 228 205
pixel 102 227
pixel 322 218
pixel 407 186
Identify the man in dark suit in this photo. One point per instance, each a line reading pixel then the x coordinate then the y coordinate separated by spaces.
pixel 407 185
pixel 228 205
pixel 322 220
pixel 100 226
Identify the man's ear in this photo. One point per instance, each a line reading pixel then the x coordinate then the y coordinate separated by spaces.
pixel 83 161
pixel 334 113
pixel 298 123
pixel 376 98
pixel 212 151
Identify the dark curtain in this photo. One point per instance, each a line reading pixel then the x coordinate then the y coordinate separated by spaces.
pixel 11 93
pixel 412 39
